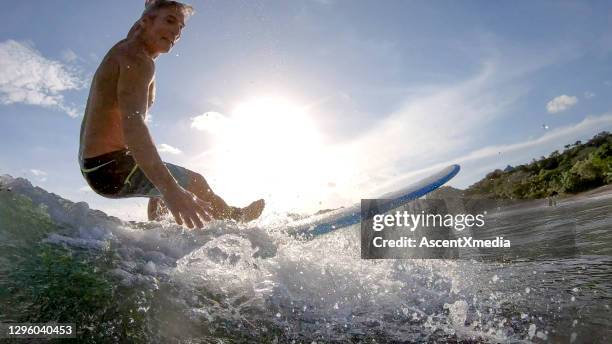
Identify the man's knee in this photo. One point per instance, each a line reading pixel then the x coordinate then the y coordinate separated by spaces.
pixel 198 181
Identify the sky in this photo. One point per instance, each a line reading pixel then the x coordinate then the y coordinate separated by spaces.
pixel 314 104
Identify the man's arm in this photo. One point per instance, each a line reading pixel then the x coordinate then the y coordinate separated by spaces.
pixel 135 77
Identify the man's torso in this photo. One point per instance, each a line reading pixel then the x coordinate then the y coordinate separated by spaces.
pixel 101 130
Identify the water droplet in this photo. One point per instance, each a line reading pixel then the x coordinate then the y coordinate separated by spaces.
pixel 532 330
pixel 278 315
pixel 527 290
pixel 573 337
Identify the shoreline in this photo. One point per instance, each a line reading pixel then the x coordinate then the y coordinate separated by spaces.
pixel 602 190
pixel 478 203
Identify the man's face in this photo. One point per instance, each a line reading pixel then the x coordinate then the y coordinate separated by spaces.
pixel 164 30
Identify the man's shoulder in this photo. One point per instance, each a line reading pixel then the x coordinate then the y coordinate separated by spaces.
pixel 126 56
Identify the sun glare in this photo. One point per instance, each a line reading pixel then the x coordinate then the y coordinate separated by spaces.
pixel 275 127
pixel 271 148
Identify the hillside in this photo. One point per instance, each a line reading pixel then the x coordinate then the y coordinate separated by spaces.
pixel 580 167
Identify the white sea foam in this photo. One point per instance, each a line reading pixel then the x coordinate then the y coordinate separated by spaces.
pixel 245 274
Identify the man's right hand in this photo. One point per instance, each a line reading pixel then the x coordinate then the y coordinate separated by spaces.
pixel 186 207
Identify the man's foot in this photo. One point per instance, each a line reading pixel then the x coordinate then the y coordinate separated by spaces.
pixel 252 211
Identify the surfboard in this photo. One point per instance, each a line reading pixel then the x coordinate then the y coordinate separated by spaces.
pixel 340 218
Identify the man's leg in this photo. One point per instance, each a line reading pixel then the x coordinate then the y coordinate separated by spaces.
pixel 220 210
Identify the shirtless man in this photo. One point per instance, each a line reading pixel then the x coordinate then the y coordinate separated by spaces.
pixel 117 155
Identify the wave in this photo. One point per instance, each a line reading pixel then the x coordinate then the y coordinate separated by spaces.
pixel 159 282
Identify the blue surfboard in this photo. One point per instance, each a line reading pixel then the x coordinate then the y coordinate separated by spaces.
pixel 321 224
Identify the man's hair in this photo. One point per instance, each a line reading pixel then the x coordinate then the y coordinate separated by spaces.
pixel 152 6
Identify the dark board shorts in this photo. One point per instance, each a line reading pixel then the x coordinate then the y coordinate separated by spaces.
pixel 116 175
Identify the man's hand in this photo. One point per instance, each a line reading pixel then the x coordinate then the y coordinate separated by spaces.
pixel 186 207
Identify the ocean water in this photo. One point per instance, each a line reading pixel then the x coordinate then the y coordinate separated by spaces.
pixel 157 282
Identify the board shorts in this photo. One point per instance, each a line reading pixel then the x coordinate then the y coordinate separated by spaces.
pixel 116 175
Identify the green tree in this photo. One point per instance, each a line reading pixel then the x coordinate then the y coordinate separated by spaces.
pixel 583 176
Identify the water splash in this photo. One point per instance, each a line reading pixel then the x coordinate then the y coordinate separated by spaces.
pixel 254 283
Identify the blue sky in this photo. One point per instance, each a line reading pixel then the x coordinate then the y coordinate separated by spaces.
pixel 315 103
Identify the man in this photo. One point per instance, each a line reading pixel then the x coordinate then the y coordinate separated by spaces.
pixel 117 155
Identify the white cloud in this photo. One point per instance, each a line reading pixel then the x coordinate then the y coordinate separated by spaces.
pixel 85 188
pixel 476 164
pixel 432 127
pixel 69 56
pixel 40 175
pixel 28 77
pixel 589 95
pixel 215 101
pixel 166 148
pixel 211 121
pixel 563 135
pixel 561 103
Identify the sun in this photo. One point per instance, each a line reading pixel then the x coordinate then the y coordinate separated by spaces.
pixel 276 127
pixel 270 147
pixel 273 148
